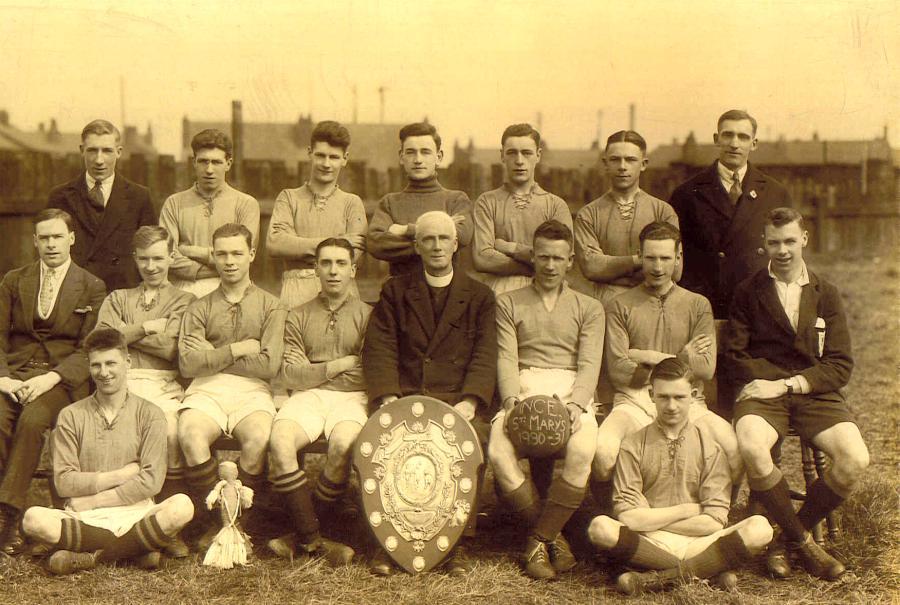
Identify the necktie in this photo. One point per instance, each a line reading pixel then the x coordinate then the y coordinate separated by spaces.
pixel 46 297
pixel 96 195
pixel 735 192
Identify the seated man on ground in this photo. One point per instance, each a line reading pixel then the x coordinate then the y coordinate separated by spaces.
pixel 433 333
pixel 149 316
pixel 323 340
pixel 231 344
pixel 550 342
pixel 671 498
pixel 109 461
pixel 656 320
pixel 788 347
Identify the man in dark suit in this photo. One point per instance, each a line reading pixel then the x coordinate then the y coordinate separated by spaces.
pixel 433 333
pixel 47 308
pixel 106 207
pixel 721 213
pixel 788 349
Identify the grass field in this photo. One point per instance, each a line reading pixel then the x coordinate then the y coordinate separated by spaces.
pixel 868 542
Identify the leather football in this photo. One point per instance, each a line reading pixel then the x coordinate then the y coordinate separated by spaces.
pixel 539 426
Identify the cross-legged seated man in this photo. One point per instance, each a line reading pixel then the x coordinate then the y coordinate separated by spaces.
pixel 323 340
pixel 671 497
pixel 231 344
pixel 109 461
pixel 550 342
pixel 656 320
pixel 788 348
pixel 433 333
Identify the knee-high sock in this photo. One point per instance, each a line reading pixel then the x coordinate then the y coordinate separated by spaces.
pixel 820 500
pixel 525 502
pixel 297 497
pixel 78 536
pixel 602 493
pixel 634 549
pixel 174 484
pixel 327 493
pixel 200 479
pixel 563 499
pixel 146 535
pixel 728 552
pixel 542 474
pixel 775 495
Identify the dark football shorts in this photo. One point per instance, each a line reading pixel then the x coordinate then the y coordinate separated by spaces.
pixel 808 414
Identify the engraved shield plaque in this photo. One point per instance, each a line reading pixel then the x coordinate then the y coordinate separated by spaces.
pixel 418 461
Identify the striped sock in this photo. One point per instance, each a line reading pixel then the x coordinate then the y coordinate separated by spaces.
pixel 328 492
pixel 174 484
pixel 78 536
pixel 145 536
pixel 294 489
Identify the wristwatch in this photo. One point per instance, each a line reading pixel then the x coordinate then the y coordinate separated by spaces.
pixel 788 382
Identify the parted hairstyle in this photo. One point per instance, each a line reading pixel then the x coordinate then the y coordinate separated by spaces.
pixel 627 136
pixel 331 132
pixel 420 129
pixel 48 214
pixel 105 339
pixel 521 130
pixel 212 138
pixel 736 114
pixel 660 230
pixel 335 242
pixel 148 235
pixel 779 217
pixel 553 230
pixel 231 230
pixel 672 369
pixel 100 127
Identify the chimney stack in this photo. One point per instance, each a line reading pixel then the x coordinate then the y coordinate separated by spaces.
pixel 237 140
pixel 631 116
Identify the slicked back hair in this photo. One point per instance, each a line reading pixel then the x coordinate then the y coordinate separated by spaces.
pixel 331 132
pixel 212 138
pixel 779 217
pixel 48 214
pixel 553 230
pixel 672 369
pixel 420 129
pixel 660 230
pixel 627 136
pixel 335 242
pixel 521 130
pixel 231 230
pixel 148 235
pixel 736 114
pixel 100 127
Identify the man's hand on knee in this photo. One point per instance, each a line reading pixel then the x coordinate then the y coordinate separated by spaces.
pixel 36 386
pixel 10 386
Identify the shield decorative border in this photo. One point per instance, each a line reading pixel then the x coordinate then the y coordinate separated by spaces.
pixel 418 461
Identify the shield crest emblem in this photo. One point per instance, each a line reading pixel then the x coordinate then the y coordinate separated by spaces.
pixel 418 461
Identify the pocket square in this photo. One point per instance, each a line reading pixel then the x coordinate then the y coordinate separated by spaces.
pixel 83 310
pixel 820 332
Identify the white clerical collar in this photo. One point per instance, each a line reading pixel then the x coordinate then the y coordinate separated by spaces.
pixel 438 281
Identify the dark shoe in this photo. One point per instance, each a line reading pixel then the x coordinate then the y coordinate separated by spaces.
pixel 14 544
pixel 635 583
pixel 381 564
pixel 816 561
pixel 149 560
pixel 176 548
pixel 41 550
pixel 536 560
pixel 727 581
pixel 459 564
pixel 64 562
pixel 777 561
pixel 206 538
pixel 335 553
pixel 561 556
pixel 282 546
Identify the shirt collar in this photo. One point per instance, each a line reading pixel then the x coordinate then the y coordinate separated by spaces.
pixel 438 281
pixel 215 194
pixel 536 189
pixel 105 183
pixel 726 174
pixel 324 300
pixel 58 272
pixel 562 289
pixel 802 280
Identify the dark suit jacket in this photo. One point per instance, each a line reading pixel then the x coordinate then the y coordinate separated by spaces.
pixel 406 353
pixel 76 311
pixel 722 241
pixel 760 342
pixel 105 249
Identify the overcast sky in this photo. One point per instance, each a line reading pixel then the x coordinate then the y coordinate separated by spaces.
pixel 471 66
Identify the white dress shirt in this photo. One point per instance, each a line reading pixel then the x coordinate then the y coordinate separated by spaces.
pixel 58 276
pixel 726 175
pixel 789 296
pixel 105 185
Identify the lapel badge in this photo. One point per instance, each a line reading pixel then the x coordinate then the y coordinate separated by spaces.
pixel 753 194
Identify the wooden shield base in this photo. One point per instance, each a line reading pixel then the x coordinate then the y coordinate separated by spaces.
pixel 418 461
